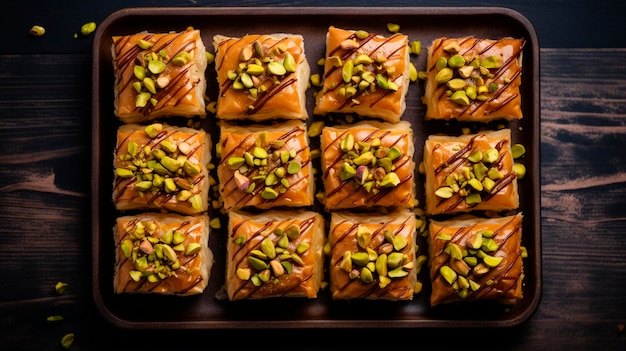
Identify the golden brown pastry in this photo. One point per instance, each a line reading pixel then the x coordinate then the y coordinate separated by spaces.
pixel 476 259
pixel 364 73
pixel 162 254
pixel 473 79
pixel 274 254
pixel 265 166
pixel 161 167
pixel 368 164
pixel 372 255
pixel 159 75
pixel 470 172
pixel 261 77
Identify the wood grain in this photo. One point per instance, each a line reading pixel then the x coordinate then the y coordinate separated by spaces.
pixel 45 228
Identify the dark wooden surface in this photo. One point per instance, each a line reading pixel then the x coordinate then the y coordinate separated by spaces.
pixel 45 107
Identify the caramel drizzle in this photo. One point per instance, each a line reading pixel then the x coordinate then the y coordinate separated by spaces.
pixel 273 90
pixel 248 197
pixel 160 197
pixel 374 288
pixel 495 274
pixel 475 105
pixel 452 164
pixel 253 241
pixel 185 264
pixel 399 163
pixel 176 89
pixel 349 52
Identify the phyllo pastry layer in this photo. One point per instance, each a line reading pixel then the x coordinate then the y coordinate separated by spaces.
pixel 470 172
pixel 473 79
pixel 476 259
pixel 265 166
pixel 368 164
pixel 162 254
pixel 159 75
pixel 364 73
pixel 161 167
pixel 372 255
pixel 274 254
pixel 261 77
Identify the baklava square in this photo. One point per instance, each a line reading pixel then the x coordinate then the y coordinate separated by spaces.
pixel 159 75
pixel 470 172
pixel 364 73
pixel 274 254
pixel 265 166
pixel 372 255
pixel 162 254
pixel 474 79
pixel 476 259
pixel 161 167
pixel 368 164
pixel 261 77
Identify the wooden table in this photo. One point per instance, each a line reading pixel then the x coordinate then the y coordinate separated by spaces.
pixel 45 106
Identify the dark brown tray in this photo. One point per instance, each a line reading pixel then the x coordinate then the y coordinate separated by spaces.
pixel 207 311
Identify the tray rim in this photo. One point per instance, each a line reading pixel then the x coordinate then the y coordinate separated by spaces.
pixel 456 11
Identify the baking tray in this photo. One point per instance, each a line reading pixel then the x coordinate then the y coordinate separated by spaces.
pixel 206 311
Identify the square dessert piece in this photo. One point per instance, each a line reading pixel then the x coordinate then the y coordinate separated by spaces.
pixel 368 164
pixel 261 77
pixel 364 73
pixel 161 167
pixel 476 259
pixel 473 79
pixel 265 166
pixel 274 254
pixel 159 75
pixel 372 255
pixel 470 172
pixel 162 254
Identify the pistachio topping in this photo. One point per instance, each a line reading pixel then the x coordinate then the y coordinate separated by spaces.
pixel 154 252
pixel 468 79
pixel 266 168
pixel 475 179
pixel 467 263
pixel 274 256
pixel 162 167
pixel 379 266
pixel 369 164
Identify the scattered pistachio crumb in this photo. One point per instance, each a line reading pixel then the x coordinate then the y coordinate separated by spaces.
pixel 215 223
pixel 54 318
pixel 88 28
pixel 61 288
pixel 37 30
pixel 393 27
pixel 67 340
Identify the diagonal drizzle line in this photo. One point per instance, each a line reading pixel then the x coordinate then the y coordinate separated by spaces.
pixel 586 183
pixel 38 156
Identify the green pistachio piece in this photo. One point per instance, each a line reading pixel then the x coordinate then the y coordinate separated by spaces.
pixel 395 259
pixel 257 263
pixel 473 199
pixel 519 170
pixel 269 194
pixel 517 150
pixel 360 258
pixel 460 97
pixel 153 130
pixel 454 251
pixel 293 167
pixel 448 274
pixel 492 62
pixel 289 63
pixel 444 75
pixel 168 185
pixel 193 249
pixel 156 66
pixel 363 236
pixel 276 68
pixel 492 261
pixel 347 143
pixel 234 162
pixel 143 185
pixel 399 242
pixel 347 71
pixel 182 58
pixel 366 276
pixel 142 99
pixel 381 265
pixel 398 272
pixel 124 173
pixel 390 180
pixel 346 172
pixel 267 246
pixel 491 155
